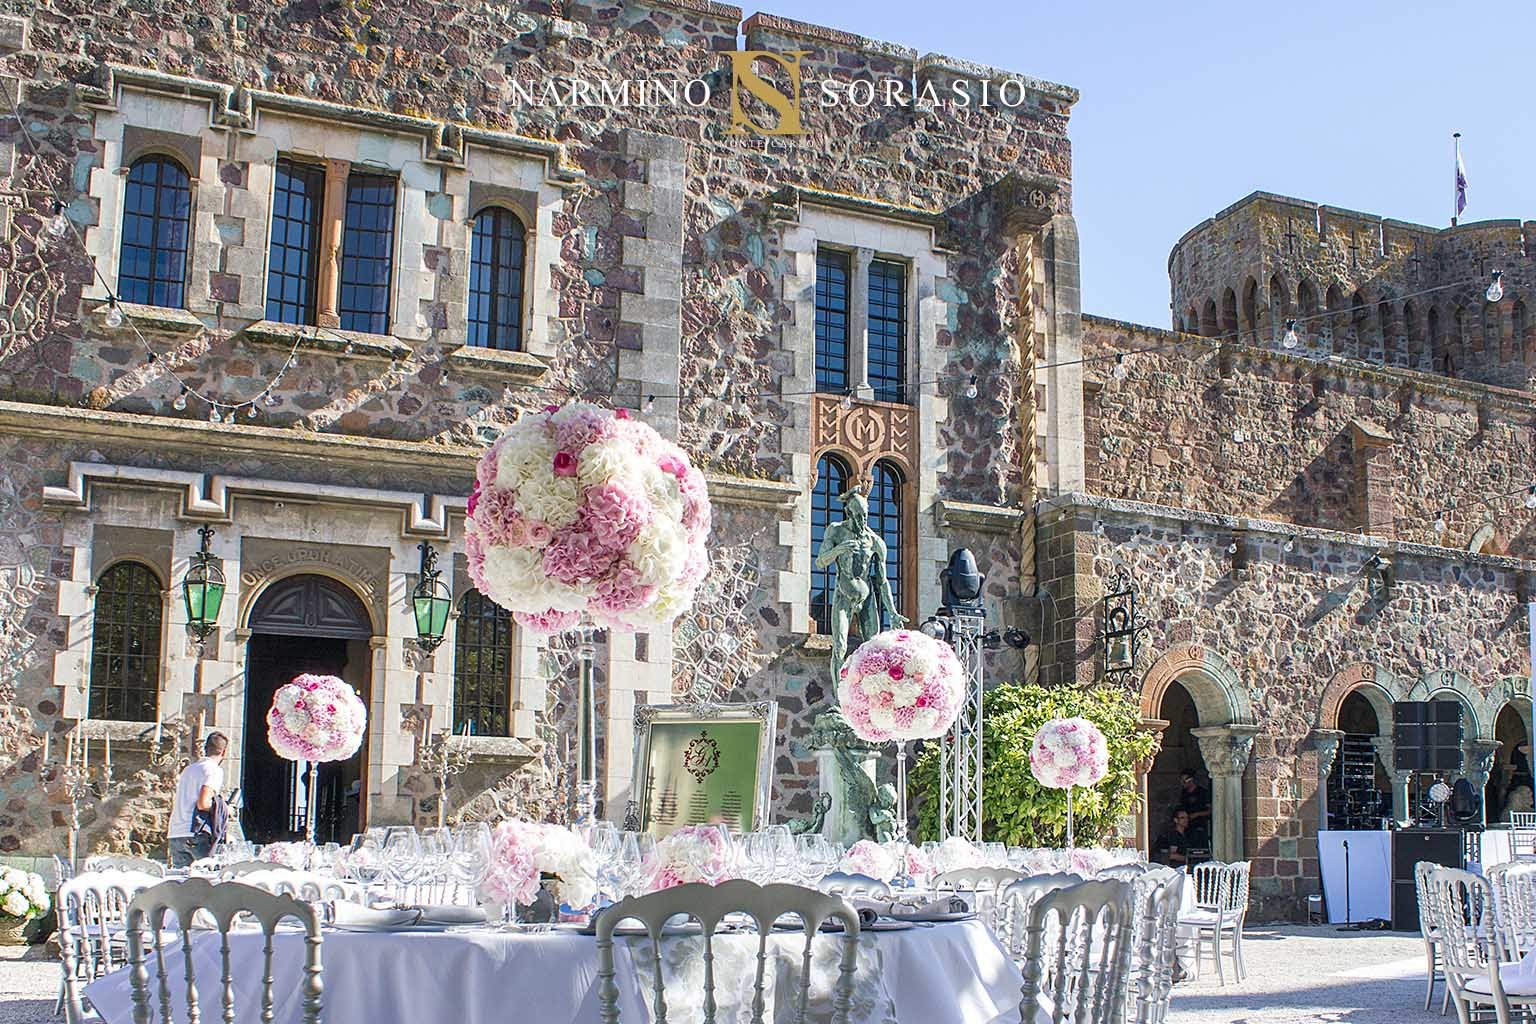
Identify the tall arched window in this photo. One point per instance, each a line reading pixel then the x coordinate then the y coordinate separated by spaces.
pixel 832 478
pixel 885 517
pixel 125 644
pixel 497 260
pixel 482 667
pixel 1229 325
pixel 157 211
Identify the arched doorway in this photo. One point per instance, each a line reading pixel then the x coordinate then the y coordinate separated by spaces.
pixel 1178 758
pixel 303 623
pixel 1511 767
pixel 1359 792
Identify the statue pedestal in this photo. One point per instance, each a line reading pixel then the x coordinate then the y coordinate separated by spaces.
pixel 846 766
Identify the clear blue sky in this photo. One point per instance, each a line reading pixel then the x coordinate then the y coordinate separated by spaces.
pixel 1187 107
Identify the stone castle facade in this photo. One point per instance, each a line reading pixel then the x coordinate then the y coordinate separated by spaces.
pixel 889 299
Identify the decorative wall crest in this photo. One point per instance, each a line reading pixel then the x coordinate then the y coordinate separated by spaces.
pixel 865 432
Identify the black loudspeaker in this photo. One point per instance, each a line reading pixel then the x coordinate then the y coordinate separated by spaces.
pixel 1438 846
pixel 1426 736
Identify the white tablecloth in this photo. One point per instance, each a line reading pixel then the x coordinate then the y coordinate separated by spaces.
pixel 1370 874
pixel 943 974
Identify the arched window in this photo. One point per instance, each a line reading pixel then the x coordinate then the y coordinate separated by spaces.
pixel 1335 303
pixel 157 212
pixel 1251 309
pixel 1413 331
pixel 1229 327
pixel 1306 305
pixel 482 667
pixel 1521 327
pixel 1492 341
pixel 885 518
pixel 1279 306
pixel 832 479
pixel 497 260
pixel 1359 323
pixel 125 644
pixel 1208 324
pixel 1388 329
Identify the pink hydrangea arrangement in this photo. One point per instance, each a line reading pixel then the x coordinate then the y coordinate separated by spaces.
pixel 1069 752
pixel 1091 860
pixel 316 718
pixel 692 853
pixel 523 852
pixel 955 853
pixel 580 510
pixel 867 857
pixel 289 855
pixel 901 685
pixel 911 859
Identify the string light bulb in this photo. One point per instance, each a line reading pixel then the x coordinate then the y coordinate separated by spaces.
pixel 213 415
pixel 1238 436
pixel 270 401
pixel 1290 339
pixel 250 413
pixel 1495 290
pixel 1289 545
pixel 1530 497
pixel 181 399
pixel 971 390
pixel 1440 525
pixel 1121 371
pixel 650 404
pixel 114 317
pixel 60 223
pixel 1232 548
pixel 845 402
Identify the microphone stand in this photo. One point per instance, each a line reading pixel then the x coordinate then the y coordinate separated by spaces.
pixel 1349 924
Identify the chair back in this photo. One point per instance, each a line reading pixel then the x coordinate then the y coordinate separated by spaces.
pixel 305 885
pixel 118 862
pixel 1077 954
pixel 93 917
pixel 709 905
pixel 247 867
pixel 1018 899
pixel 852 884
pixel 1154 942
pixel 1514 906
pixel 1123 872
pixel 220 903
pixel 1222 888
pixel 986 886
pixel 1522 819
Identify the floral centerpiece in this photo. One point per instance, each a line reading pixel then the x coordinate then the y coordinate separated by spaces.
pixel 23 896
pixel 911 860
pixel 288 855
pixel 955 853
pixel 580 510
pixel 524 853
pixel 1069 752
pixel 692 853
pixel 867 857
pixel 316 718
pixel 901 685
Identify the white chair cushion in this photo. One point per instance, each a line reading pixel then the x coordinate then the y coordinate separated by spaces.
pixel 1516 979
pixel 1205 918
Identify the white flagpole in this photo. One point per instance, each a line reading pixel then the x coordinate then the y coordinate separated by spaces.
pixel 1455 177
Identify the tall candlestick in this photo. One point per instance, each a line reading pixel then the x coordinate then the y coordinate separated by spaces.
pixel 156 740
pixel 85 749
pixel 46 737
pixel 109 751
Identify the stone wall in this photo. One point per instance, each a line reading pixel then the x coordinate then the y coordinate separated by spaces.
pixel 1361 286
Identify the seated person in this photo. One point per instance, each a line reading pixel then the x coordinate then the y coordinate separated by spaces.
pixel 1194 798
pixel 1177 847
pixel 1519 801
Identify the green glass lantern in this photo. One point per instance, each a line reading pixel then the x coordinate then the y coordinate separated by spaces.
pixel 430 601
pixel 202 590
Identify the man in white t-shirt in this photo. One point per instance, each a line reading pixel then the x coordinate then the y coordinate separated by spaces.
pixel 199 784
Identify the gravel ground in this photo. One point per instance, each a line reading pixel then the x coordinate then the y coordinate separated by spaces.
pixel 1296 976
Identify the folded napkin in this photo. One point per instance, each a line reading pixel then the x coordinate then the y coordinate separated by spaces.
pixel 871 911
pixel 356 917
pixel 449 914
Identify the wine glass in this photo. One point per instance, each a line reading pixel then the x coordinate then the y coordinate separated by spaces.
pixel 402 858
pixel 604 840
pixel 366 861
pixel 636 860
pixel 718 868
pixel 469 855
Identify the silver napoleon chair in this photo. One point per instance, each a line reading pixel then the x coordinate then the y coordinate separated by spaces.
pixel 853 885
pixel 710 905
pixel 985 887
pixel 221 904
pixel 1154 943
pixel 1077 954
pixel 1514 905
pixel 1479 973
pixel 93 931
pixel 118 862
pixel 1018 899
pixel 1434 952
pixel 306 885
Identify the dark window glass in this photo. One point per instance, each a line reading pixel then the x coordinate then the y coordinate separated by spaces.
pixel 297 197
pixel 831 321
pixel 888 330
pixel 496 280
pixel 157 213
pixel 482 667
pixel 125 644
pixel 885 518
pixel 367 253
pixel 831 480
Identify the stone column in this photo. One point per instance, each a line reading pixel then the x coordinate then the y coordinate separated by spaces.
pixel 1225 749
pixel 1326 743
pixel 332 219
pixel 1400 780
pixel 858 324
pixel 1144 836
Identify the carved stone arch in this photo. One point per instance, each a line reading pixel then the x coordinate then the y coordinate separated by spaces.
pixel 864 433
pixel 1376 684
pixel 1511 690
pixel 1441 682
pixel 309 603
pixel 847 458
pixel 1214 686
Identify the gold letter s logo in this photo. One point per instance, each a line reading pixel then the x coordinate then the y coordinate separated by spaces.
pixel 744 76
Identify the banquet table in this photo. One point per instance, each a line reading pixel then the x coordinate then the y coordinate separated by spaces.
pixel 948 973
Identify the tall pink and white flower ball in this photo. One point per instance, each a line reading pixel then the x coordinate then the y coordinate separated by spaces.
pixel 581 510
pixel 901 685
pixel 316 718
pixel 1069 752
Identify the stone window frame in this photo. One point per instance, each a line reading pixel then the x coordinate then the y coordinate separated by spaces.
pixel 902 234
pixel 503 201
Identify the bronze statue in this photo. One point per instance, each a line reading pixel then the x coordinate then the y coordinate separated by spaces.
pixel 862 590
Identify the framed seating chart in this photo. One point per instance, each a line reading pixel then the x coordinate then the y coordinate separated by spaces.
pixel 703 763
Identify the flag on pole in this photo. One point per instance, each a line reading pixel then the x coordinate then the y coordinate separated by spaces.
pixel 1461 181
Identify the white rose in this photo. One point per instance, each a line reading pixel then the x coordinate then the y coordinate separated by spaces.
pixel 16 904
